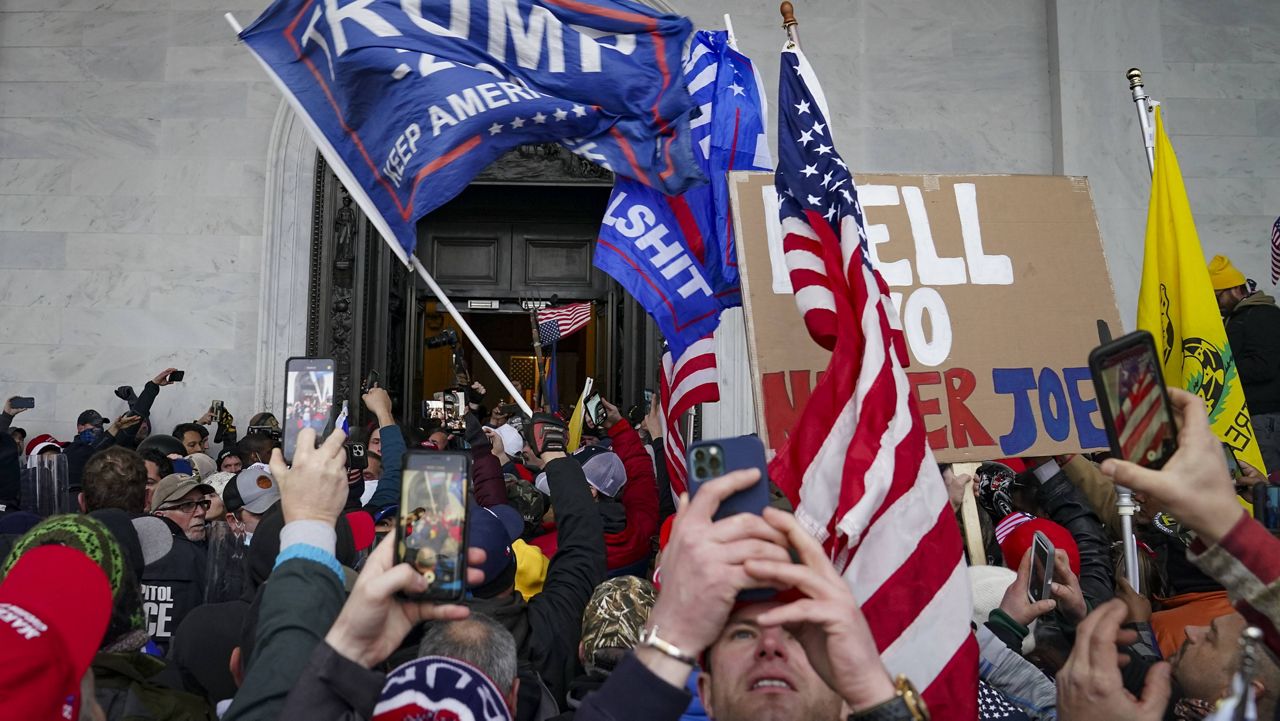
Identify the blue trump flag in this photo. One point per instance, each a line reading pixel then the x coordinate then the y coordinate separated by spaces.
pixel 409 99
pixel 675 254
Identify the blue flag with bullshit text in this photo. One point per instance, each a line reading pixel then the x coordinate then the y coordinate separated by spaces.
pixel 409 100
pixel 675 253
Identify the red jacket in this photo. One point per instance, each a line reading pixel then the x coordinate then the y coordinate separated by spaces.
pixel 639 498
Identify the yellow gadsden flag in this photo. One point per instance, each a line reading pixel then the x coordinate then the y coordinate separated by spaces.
pixel 1177 306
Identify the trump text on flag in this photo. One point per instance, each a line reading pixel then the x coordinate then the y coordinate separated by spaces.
pixel 969 261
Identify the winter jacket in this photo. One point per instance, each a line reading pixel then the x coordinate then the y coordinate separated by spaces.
pixel 1253 330
pixel 639 500
pixel 548 627
pixel 300 601
pixel 1064 505
pixel 125 686
pixel 1247 561
pixel 334 688
pixel 634 692
pixel 393 450
pixel 488 486
pixel 172 586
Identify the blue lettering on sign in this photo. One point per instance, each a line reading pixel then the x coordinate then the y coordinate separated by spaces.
pixel 1059 402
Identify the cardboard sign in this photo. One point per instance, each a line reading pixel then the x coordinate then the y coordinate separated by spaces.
pixel 999 281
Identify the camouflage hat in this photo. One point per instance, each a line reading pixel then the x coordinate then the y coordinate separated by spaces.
pixel 531 504
pixel 615 616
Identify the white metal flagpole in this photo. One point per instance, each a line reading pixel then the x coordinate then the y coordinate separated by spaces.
pixel 371 211
pixel 1143 101
pixel 1125 505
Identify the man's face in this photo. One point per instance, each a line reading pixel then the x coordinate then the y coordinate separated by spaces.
pixel 232 464
pixel 1228 299
pixel 188 512
pixel 192 442
pixel 1204 664
pixel 153 473
pixel 244 517
pixel 375 442
pixel 216 508
pixel 440 438
pixel 762 673
pixel 374 471
pixel 20 438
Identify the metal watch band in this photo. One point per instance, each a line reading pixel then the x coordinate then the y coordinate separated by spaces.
pixel 895 709
pixel 650 638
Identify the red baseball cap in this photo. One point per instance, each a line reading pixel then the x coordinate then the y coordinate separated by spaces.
pixel 362 529
pixel 54 607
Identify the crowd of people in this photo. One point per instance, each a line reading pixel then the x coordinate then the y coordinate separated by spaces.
pixel 201 584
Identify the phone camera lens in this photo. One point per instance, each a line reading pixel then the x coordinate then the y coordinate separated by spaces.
pixel 700 456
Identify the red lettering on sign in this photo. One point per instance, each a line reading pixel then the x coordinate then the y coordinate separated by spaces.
pixel 965 428
pixel 937 438
pixel 782 408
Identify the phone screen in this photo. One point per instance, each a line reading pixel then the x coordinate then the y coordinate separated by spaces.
pixel 308 399
pixel 1233 466
pixel 432 523
pixel 1132 387
pixel 595 410
pixel 1038 588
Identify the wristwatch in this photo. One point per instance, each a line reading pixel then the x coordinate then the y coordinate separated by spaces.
pixel 649 637
pixel 905 706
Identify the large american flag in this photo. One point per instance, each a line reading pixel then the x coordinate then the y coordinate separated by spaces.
pixel 856 466
pixel 556 323
pixel 686 381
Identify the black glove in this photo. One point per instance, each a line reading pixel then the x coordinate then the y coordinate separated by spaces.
pixel 545 432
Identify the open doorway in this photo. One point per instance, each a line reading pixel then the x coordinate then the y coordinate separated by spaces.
pixel 509 338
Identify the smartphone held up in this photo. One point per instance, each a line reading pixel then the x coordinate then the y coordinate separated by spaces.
pixel 308 400
pixel 431 529
pixel 1133 399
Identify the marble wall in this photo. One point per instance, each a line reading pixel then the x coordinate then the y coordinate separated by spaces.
pixel 133 153
pixel 137 143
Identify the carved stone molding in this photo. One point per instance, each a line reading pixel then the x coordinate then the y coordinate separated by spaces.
pixel 282 310
pixel 543 164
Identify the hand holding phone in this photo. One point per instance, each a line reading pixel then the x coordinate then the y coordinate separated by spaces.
pixel 1040 585
pixel 18 404
pixel 708 460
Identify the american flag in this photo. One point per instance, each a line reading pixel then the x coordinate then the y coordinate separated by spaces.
pixel 686 381
pixel 556 323
pixel 856 465
pixel 1275 252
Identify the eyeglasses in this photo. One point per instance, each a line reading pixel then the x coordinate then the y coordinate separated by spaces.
pixel 188 507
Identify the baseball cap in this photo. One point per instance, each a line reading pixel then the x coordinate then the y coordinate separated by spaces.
pixel 494 529
pixel 175 486
pixel 615 615
pixel 432 684
pixel 512 441
pixel 48 637
pixel 254 489
pixel 154 537
pixel 203 465
pixel 1018 532
pixel 90 417
pixel 42 442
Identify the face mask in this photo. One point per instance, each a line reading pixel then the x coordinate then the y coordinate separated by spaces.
pixel 90 435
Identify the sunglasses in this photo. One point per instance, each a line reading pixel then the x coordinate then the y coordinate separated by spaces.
pixel 188 507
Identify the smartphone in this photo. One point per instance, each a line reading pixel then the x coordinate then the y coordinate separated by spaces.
pixel 308 400
pixel 434 409
pixel 1133 400
pixel 357 459
pixel 370 381
pixel 183 466
pixel 595 410
pixel 1040 586
pixel 1233 466
pixel 22 402
pixel 707 460
pixel 648 400
pixel 431 531
pixel 177 376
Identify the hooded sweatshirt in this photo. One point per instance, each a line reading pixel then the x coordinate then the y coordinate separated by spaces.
pixel 1253 329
